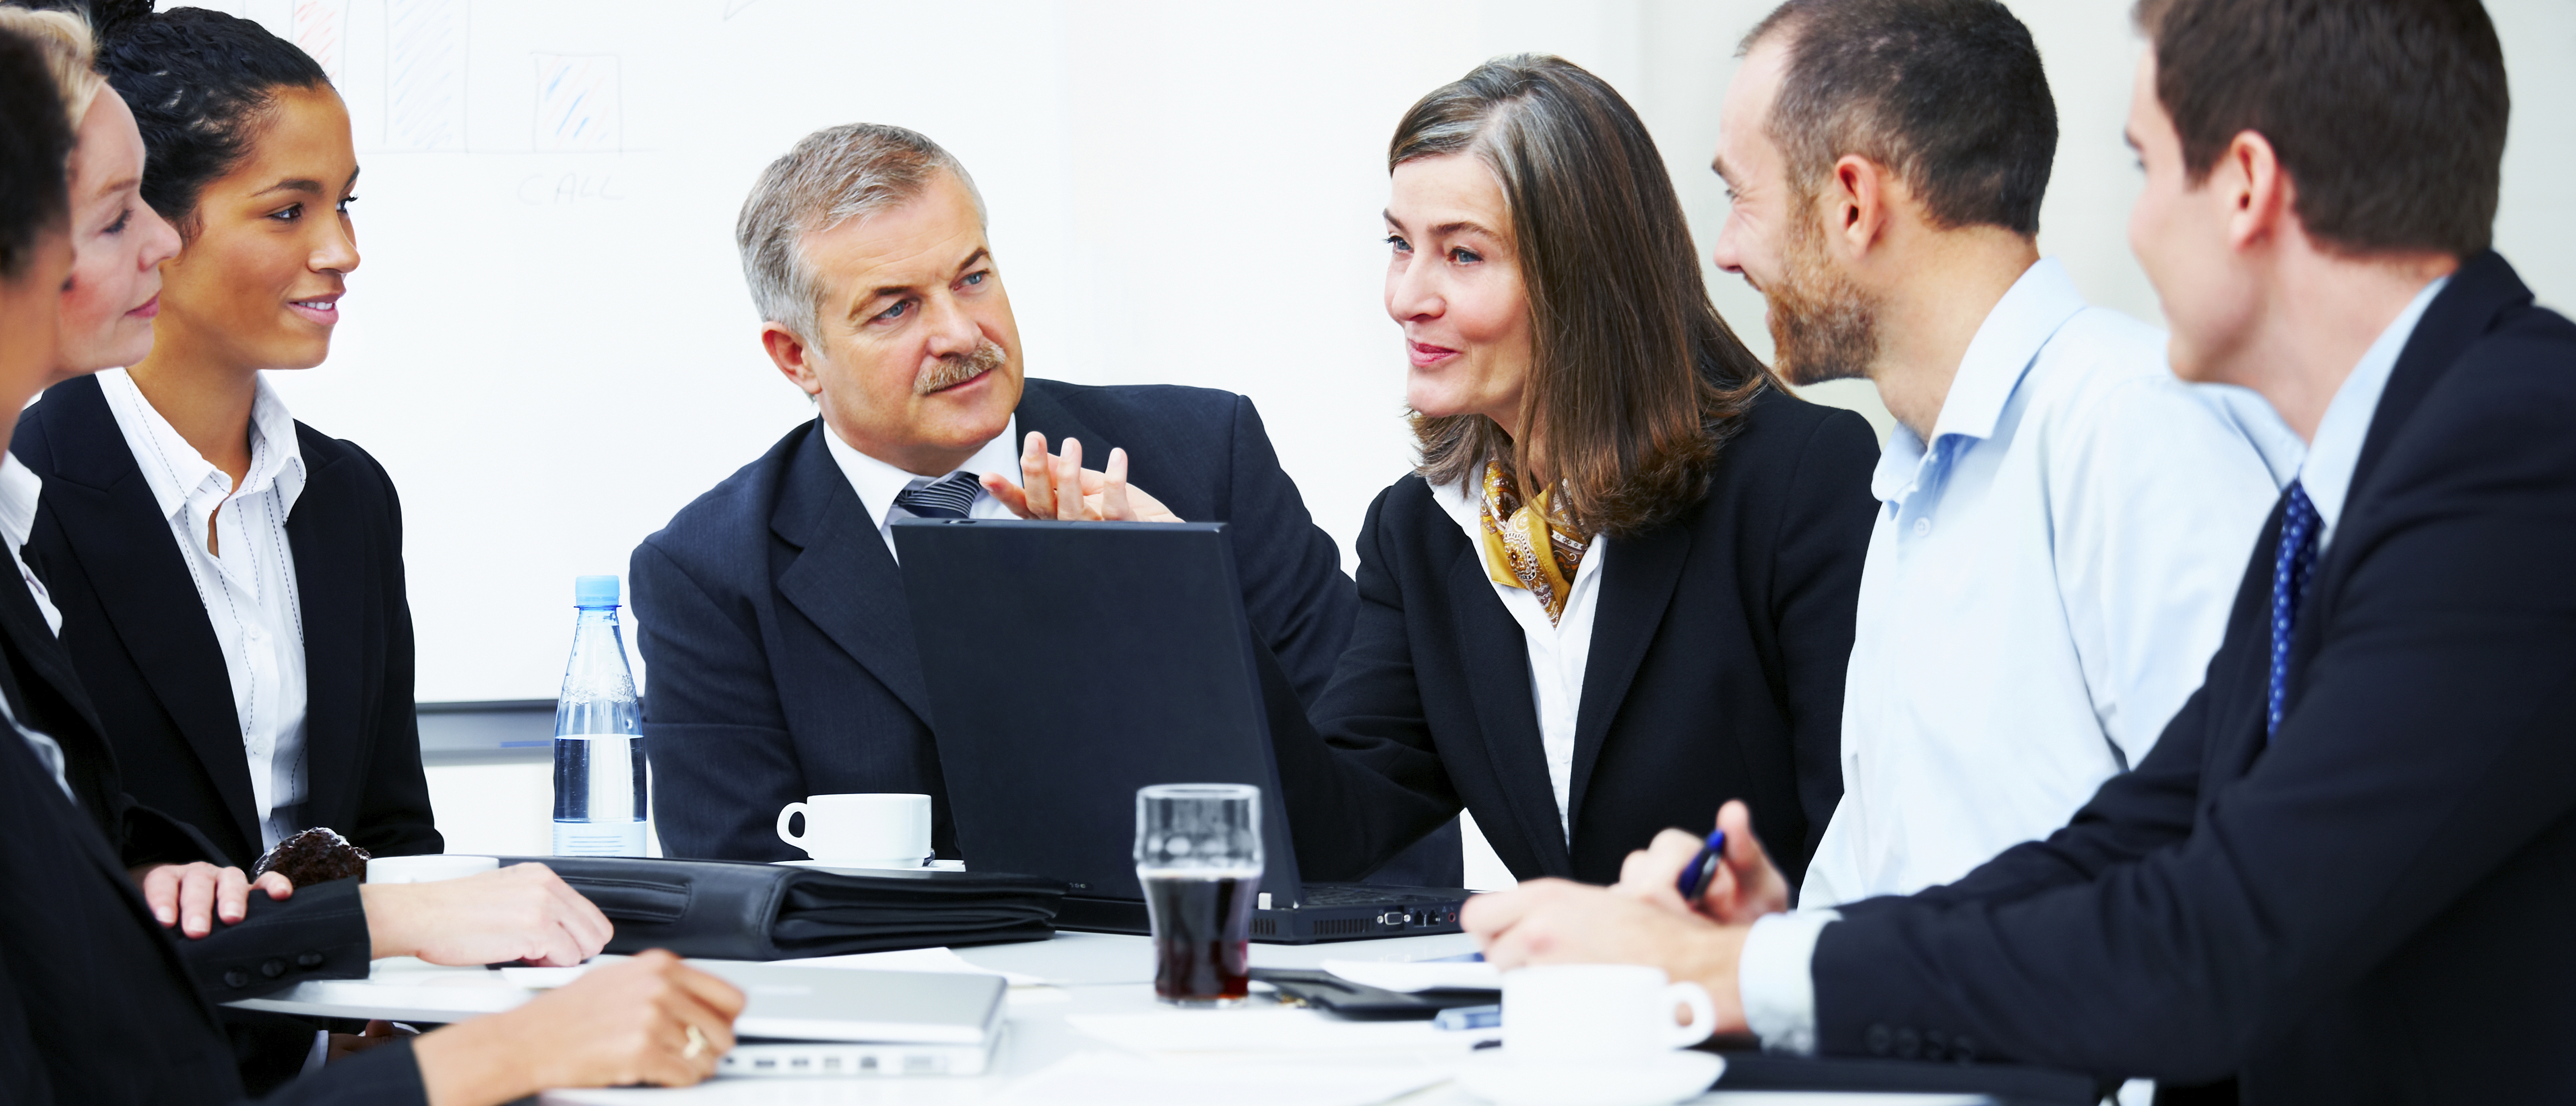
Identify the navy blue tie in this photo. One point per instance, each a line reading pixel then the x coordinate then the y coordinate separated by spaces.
pixel 2291 565
pixel 948 498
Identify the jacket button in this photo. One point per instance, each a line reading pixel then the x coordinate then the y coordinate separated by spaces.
pixel 1880 1040
pixel 272 968
pixel 1909 1044
pixel 308 959
pixel 236 978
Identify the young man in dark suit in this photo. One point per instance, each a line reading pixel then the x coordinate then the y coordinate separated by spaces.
pixel 2341 875
pixel 771 610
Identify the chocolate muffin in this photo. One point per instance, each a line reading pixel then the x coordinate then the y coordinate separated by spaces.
pixel 317 855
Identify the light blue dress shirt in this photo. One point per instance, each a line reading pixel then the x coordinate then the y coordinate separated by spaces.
pixel 1775 976
pixel 2045 583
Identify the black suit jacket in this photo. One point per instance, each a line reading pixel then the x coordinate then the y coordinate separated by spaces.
pixel 780 649
pixel 1716 669
pixel 2372 906
pixel 97 1005
pixel 140 639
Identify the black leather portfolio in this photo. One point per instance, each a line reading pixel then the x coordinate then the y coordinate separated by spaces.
pixel 739 911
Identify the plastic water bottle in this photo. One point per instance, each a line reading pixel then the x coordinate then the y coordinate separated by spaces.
pixel 599 735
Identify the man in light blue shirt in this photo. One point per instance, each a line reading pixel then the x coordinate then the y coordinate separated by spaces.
pixel 2341 875
pixel 2064 520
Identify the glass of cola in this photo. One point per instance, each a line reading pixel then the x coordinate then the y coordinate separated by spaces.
pixel 1198 853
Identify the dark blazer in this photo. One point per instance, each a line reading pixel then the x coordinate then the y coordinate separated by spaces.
pixel 143 646
pixel 97 1004
pixel 2370 907
pixel 1716 670
pixel 779 647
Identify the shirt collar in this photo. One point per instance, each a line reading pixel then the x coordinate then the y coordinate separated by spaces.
pixel 878 482
pixel 2018 327
pixel 20 488
pixel 178 475
pixel 2336 450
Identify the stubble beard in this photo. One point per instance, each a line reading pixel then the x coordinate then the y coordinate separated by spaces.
pixel 1823 326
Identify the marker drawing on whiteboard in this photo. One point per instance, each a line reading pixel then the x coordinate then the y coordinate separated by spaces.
pixel 578 103
pixel 322 31
pixel 425 52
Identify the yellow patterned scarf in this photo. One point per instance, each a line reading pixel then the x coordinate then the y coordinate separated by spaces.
pixel 1527 545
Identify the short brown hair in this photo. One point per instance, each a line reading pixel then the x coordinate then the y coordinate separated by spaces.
pixel 2387 115
pixel 1634 382
pixel 1949 95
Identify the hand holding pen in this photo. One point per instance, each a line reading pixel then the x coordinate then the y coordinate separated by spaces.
pixel 1725 877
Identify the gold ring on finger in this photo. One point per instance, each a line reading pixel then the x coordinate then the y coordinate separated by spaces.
pixel 697 1045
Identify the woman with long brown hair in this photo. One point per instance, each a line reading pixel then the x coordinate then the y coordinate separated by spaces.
pixel 1619 587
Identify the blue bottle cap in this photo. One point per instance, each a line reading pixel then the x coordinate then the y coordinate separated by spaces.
pixel 594 591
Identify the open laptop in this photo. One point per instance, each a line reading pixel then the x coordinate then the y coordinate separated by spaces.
pixel 815 1021
pixel 1071 663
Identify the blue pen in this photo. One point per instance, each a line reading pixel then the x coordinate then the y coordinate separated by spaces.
pixel 1468 1017
pixel 1703 868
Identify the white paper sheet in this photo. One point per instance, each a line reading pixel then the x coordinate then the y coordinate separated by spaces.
pixel 1113 1079
pixel 1418 975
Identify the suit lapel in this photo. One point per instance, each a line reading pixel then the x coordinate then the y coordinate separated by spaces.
pixel 843 578
pixel 327 537
pixel 88 765
pixel 1636 586
pixel 2483 289
pixel 1039 411
pixel 1496 653
pixel 124 544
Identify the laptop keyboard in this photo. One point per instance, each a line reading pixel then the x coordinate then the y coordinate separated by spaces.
pixel 1363 894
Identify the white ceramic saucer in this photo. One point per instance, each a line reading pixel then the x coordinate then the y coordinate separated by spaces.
pixel 933 866
pixel 1497 1076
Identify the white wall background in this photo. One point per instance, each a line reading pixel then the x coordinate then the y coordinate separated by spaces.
pixel 549 347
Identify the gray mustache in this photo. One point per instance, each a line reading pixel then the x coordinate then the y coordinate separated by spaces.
pixel 950 371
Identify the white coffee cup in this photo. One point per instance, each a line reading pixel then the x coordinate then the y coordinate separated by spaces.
pixel 1600 1012
pixel 878 831
pixel 427 869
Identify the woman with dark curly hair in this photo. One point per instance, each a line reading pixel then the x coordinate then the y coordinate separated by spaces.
pixel 231 581
pixel 1619 588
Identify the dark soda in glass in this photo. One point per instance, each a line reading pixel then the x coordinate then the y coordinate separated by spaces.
pixel 1202 934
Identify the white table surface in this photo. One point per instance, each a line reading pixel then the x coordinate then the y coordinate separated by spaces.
pixel 1085 973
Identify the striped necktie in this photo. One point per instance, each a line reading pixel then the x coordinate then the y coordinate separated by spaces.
pixel 2292 564
pixel 951 497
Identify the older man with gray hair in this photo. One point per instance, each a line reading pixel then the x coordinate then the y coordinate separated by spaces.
pixel 771 609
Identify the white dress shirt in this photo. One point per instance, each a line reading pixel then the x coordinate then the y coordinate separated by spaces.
pixel 1776 978
pixel 2045 584
pixel 20 491
pixel 1557 651
pixel 20 488
pixel 246 584
pixel 878 482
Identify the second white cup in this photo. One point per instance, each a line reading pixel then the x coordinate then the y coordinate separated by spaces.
pixel 872 830
pixel 427 869
pixel 1590 1013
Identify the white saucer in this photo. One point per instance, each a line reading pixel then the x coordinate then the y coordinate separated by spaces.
pixel 1497 1076
pixel 933 866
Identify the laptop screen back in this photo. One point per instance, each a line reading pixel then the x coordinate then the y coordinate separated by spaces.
pixel 1068 665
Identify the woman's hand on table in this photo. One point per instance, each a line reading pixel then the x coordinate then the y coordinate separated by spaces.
pixel 1057 487
pixel 652 1019
pixel 522 912
pixel 191 897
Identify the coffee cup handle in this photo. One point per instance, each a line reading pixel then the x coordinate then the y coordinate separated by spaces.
pixel 790 811
pixel 1703 1014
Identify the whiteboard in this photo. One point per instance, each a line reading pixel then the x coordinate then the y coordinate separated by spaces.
pixel 549 346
